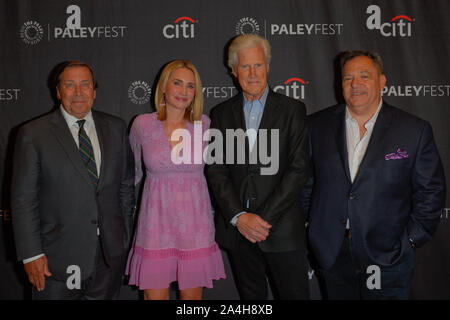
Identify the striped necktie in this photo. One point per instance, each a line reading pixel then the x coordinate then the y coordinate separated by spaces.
pixel 87 153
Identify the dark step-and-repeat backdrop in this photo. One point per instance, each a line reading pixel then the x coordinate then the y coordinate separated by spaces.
pixel 128 41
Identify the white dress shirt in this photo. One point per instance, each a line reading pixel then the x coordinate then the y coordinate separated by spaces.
pixel 357 146
pixel 89 127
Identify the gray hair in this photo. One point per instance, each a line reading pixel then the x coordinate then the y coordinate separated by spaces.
pixel 246 41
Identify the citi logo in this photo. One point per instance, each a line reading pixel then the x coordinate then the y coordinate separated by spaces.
pixel 399 25
pixel 293 87
pixel 183 27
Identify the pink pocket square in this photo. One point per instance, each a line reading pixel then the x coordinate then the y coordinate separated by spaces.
pixel 396 155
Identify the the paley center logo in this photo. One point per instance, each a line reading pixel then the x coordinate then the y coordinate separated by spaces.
pixel 182 28
pixel 8 94
pixel 417 90
pixel 306 29
pixel 247 25
pixel 398 26
pixel 218 92
pixel 32 32
pixel 139 92
pixel 293 87
pixel 74 29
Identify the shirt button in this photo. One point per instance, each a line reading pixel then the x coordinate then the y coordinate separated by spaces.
pixel 352 196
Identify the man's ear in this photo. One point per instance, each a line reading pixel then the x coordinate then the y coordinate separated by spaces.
pixel 233 71
pixel 267 67
pixel 58 95
pixel 382 81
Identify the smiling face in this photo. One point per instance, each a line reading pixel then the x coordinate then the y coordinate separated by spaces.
pixel 76 91
pixel 362 83
pixel 251 72
pixel 180 89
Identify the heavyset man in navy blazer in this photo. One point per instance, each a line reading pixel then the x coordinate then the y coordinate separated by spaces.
pixel 378 191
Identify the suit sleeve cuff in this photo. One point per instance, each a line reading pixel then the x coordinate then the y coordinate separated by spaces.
pixel 235 218
pixel 33 258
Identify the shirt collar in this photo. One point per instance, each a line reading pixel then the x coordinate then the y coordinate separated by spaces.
pixel 71 120
pixel 371 121
pixel 263 98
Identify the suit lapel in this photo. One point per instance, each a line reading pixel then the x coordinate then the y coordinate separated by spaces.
pixel 269 113
pixel 65 138
pixel 340 137
pixel 102 128
pixel 239 118
pixel 375 146
pixel 238 112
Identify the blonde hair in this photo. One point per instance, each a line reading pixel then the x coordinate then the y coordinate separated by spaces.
pixel 196 104
pixel 246 41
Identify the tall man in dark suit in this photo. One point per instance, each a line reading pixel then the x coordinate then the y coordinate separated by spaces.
pixel 259 218
pixel 73 194
pixel 378 190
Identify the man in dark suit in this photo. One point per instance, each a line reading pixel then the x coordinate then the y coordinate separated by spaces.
pixel 73 194
pixel 259 218
pixel 378 189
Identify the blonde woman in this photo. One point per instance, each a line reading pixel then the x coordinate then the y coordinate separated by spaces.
pixel 174 240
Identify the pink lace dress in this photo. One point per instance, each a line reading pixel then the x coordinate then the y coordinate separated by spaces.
pixel 174 240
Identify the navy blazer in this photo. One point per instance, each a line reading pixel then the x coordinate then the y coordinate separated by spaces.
pixel 398 193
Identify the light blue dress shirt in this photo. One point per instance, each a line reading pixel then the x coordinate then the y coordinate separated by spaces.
pixel 253 111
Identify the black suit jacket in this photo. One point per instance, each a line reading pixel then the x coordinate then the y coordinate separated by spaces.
pixel 55 206
pixel 276 198
pixel 389 202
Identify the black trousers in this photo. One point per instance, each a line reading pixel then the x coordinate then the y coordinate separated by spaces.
pixel 349 280
pixel 103 284
pixel 287 272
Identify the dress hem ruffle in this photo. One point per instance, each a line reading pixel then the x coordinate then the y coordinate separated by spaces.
pixel 156 269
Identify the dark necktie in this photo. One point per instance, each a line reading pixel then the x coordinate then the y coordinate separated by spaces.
pixel 87 153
